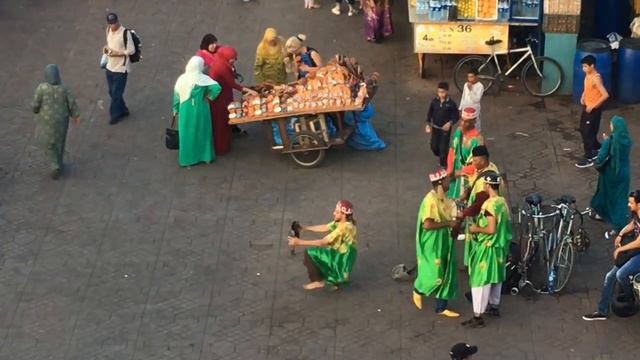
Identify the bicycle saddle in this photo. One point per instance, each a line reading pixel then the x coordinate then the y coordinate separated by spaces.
pixel 493 41
pixel 533 199
pixel 566 199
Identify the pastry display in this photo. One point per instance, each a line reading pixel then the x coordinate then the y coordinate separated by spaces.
pixel 339 84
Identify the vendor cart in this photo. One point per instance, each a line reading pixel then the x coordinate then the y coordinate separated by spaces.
pixel 310 135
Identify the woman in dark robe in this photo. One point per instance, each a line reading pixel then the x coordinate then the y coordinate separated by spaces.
pixel 54 105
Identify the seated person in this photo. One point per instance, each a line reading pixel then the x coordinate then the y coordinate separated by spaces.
pixel 364 136
pixel 621 272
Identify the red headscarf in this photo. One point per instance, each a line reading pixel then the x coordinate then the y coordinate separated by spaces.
pixel 227 53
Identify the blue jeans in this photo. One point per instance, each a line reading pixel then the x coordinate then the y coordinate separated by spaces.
pixel 117 82
pixel 441 305
pixel 621 275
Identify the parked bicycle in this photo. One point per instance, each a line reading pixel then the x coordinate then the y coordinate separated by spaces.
pixel 552 247
pixel 541 75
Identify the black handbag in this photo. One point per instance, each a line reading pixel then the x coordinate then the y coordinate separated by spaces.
pixel 171 140
pixel 624 256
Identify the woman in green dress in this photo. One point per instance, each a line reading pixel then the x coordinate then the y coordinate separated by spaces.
pixel 488 257
pixel 436 260
pixel 190 106
pixel 330 260
pixel 54 105
pixel 610 199
pixel 464 139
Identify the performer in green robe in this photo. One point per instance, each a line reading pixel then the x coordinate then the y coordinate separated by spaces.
pixel 190 96
pixel 489 255
pixel 464 139
pixel 480 164
pixel 330 260
pixel 610 199
pixel 54 105
pixel 435 253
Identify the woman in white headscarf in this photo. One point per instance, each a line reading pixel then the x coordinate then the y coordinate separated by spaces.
pixel 191 94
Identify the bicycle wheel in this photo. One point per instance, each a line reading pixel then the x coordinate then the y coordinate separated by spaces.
pixel 544 78
pixel 563 264
pixel 527 250
pixel 486 71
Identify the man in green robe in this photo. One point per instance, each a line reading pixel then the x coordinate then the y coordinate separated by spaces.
pixel 488 257
pixel 610 199
pixel 190 105
pixel 436 261
pixel 475 196
pixel 54 105
pixel 464 139
pixel 330 260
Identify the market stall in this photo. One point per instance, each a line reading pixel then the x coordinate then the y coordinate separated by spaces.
pixel 301 109
pixel 463 26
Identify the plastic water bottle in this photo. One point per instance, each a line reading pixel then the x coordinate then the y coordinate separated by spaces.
pixel 551 281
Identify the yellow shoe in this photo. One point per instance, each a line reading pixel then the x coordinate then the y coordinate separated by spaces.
pixel 449 314
pixel 417 300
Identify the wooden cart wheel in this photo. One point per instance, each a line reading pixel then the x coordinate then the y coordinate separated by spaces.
pixel 308 149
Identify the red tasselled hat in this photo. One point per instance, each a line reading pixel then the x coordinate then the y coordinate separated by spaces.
pixel 345 207
pixel 469 113
pixel 438 175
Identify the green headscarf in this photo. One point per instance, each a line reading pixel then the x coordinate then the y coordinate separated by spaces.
pixel 620 142
pixel 52 74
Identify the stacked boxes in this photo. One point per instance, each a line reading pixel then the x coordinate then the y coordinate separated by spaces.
pixel 561 16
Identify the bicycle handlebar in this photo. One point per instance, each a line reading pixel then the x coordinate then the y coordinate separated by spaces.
pixel 531 39
pixel 541 216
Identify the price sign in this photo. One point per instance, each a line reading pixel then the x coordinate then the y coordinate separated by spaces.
pixel 459 37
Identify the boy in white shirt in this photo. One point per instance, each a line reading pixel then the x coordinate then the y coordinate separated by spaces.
pixel 472 94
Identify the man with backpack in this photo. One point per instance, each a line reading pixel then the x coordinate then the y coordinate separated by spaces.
pixel 120 48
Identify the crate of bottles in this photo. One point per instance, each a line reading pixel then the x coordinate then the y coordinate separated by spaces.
pixel 526 10
pixel 561 23
pixel 562 7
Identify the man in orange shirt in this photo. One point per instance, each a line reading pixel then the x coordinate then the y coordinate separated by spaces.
pixel 593 96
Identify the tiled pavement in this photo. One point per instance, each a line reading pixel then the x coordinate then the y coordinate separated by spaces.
pixel 131 257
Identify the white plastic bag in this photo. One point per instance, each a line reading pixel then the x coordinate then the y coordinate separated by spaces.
pixel 103 61
pixel 635 28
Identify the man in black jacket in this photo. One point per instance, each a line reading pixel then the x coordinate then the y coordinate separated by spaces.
pixel 441 116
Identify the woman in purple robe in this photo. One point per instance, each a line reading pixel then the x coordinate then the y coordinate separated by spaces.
pixel 377 19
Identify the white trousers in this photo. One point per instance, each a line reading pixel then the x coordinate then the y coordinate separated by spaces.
pixel 484 295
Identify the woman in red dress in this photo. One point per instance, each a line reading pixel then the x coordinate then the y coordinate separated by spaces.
pixel 222 71
pixel 208 47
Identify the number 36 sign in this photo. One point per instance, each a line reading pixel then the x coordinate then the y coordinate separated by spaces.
pixel 458 38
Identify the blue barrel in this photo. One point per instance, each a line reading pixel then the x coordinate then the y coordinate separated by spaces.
pixel 601 50
pixel 612 16
pixel 628 78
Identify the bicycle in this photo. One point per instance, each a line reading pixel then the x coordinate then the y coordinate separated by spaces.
pixel 555 248
pixel 541 76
